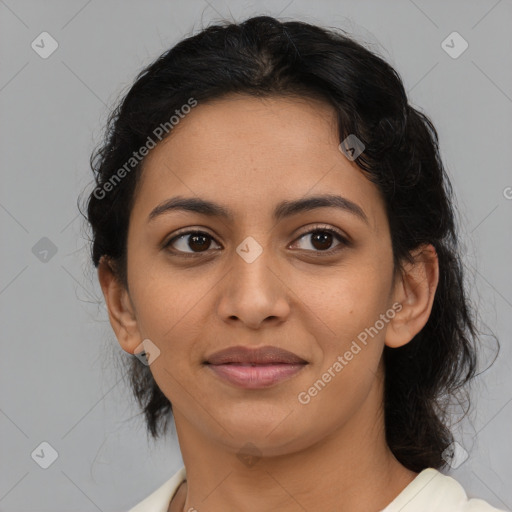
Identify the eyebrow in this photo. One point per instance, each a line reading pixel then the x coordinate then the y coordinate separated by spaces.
pixel 283 210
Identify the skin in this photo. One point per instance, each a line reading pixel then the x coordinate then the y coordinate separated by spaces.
pixel 248 154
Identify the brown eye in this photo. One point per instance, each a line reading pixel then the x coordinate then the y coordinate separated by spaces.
pixel 196 242
pixel 322 239
pixel 191 242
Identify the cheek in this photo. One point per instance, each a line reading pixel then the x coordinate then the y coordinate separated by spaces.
pixel 173 311
pixel 349 301
pixel 165 298
pixel 349 333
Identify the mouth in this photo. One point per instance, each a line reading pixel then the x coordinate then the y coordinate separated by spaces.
pixel 255 368
pixel 254 356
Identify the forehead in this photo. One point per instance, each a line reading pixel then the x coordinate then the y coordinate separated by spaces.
pixel 250 153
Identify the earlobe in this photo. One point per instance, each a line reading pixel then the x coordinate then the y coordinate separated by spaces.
pixel 415 289
pixel 120 308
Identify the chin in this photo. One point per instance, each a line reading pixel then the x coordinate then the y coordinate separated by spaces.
pixel 272 436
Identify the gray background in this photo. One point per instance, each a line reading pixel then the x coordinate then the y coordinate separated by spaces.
pixel 59 381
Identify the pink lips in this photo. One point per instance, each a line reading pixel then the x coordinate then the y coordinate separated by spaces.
pixel 255 368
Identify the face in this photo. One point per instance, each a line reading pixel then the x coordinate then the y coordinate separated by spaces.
pixel 312 281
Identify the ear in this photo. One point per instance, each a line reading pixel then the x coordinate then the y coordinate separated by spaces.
pixel 120 308
pixel 415 288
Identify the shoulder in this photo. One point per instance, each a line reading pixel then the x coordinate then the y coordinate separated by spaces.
pixel 432 491
pixel 158 500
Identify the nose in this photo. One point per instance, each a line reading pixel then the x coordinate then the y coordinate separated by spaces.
pixel 254 292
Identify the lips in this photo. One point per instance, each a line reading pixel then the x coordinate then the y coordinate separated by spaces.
pixel 254 356
pixel 258 368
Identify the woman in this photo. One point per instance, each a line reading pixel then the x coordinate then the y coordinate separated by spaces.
pixel 275 240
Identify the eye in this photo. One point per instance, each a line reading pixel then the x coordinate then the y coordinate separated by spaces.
pixel 321 240
pixel 195 241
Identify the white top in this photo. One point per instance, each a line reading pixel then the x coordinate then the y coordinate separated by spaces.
pixel 430 491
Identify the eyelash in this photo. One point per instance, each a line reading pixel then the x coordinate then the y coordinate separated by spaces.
pixel 343 242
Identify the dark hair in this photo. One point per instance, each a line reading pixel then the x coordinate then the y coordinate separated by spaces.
pixel 265 57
